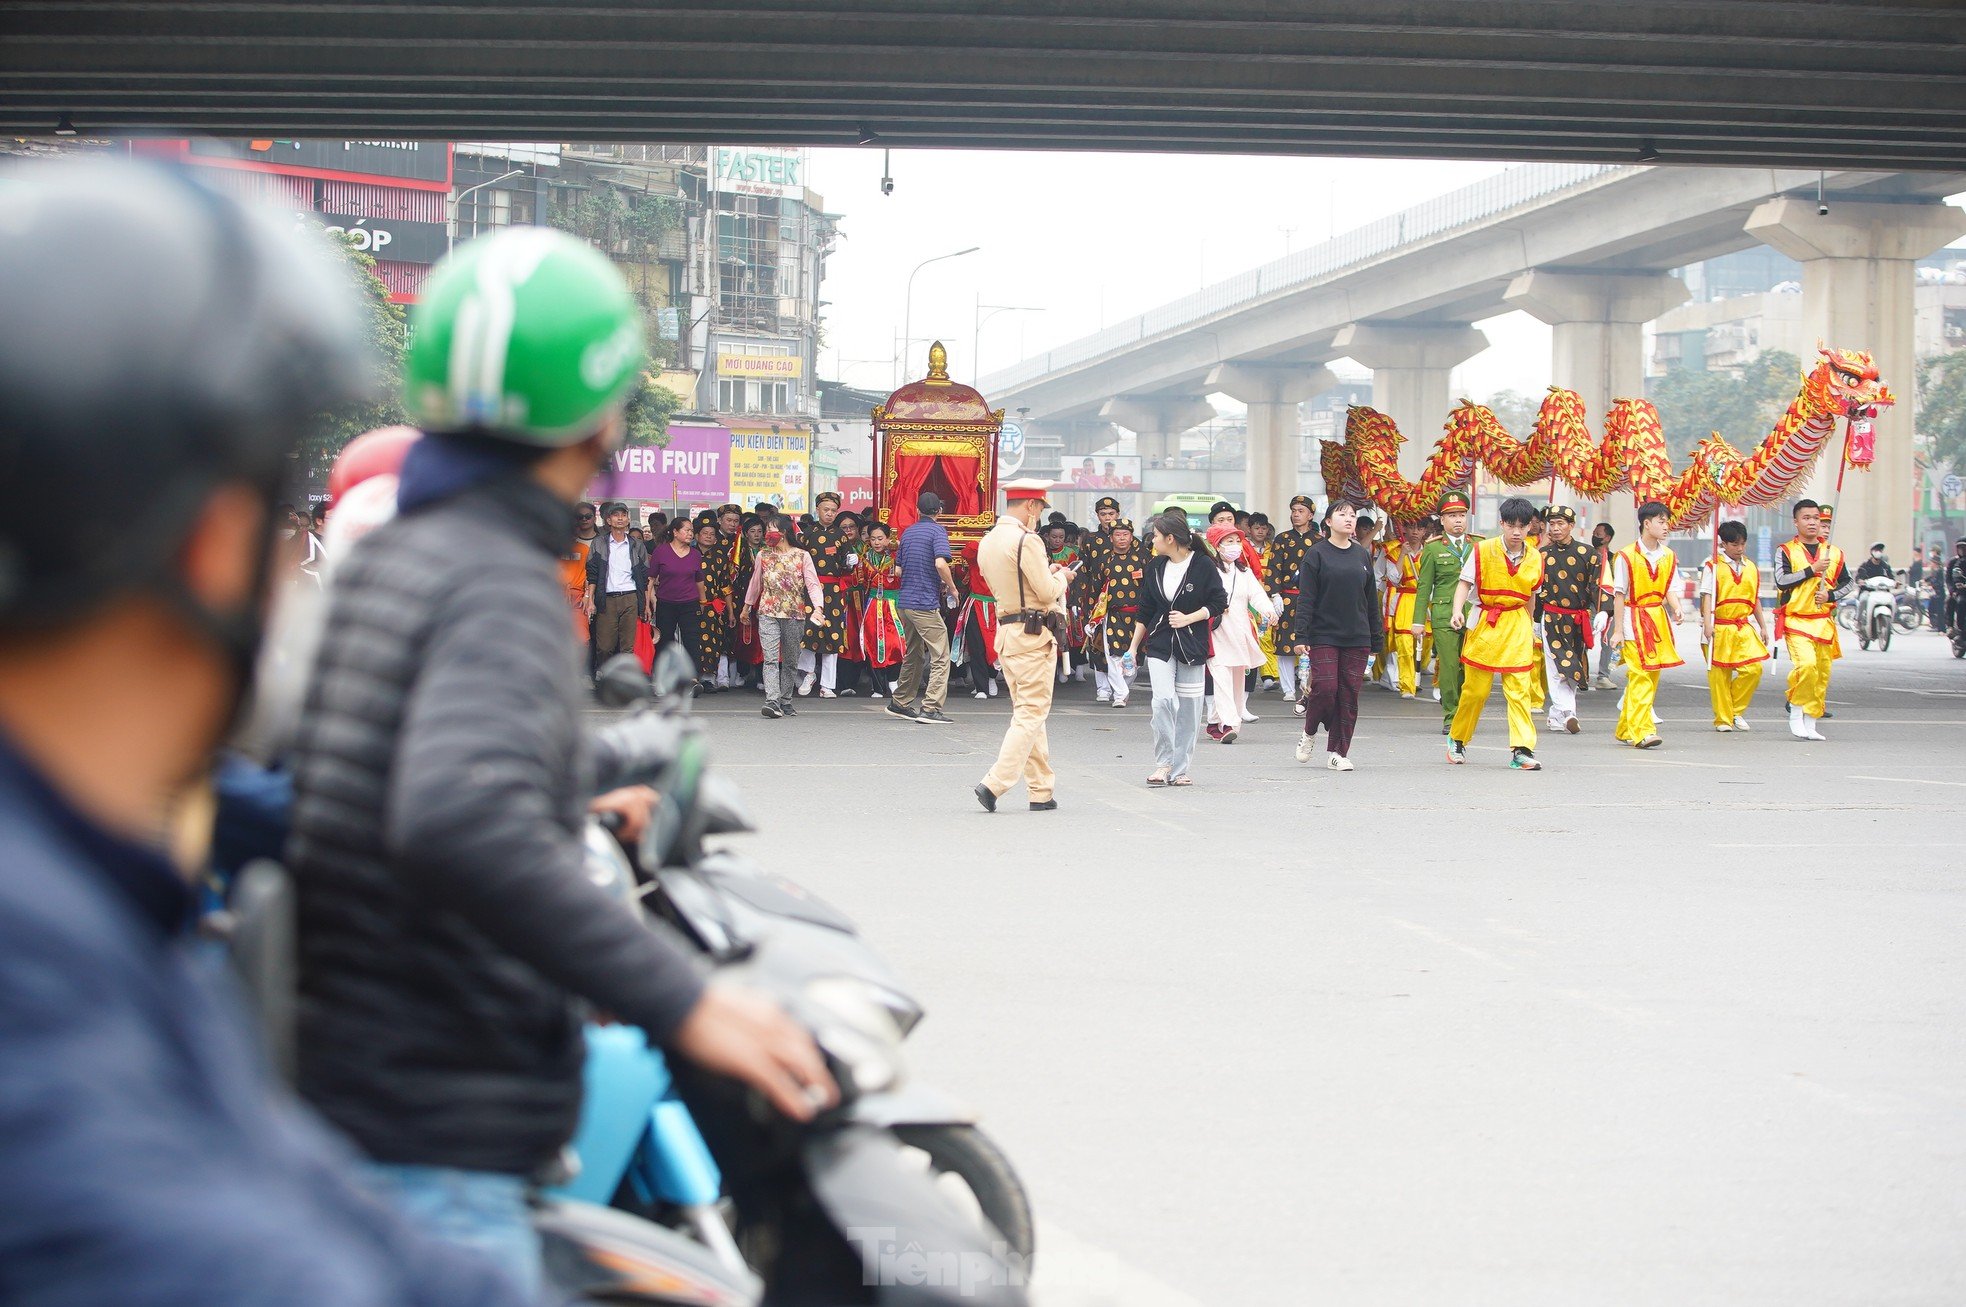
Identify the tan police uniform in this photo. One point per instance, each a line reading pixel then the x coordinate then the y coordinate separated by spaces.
pixel 1018 569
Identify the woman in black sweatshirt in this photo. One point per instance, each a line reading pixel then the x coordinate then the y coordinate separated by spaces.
pixel 1340 626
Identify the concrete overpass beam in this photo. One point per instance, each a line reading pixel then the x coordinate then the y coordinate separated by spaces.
pixel 1597 334
pixel 1410 368
pixel 1857 293
pixel 1157 421
pixel 1272 393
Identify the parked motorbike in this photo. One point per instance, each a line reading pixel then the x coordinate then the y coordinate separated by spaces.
pixel 1913 602
pixel 895 1157
pixel 1876 612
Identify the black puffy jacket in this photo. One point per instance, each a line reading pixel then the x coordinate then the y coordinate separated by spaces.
pixel 440 780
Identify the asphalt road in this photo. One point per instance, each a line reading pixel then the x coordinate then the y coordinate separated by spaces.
pixel 1677 1027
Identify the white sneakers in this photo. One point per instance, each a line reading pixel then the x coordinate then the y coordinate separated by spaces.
pixel 806 681
pixel 1249 716
pixel 1741 724
pixel 1336 762
pixel 1306 748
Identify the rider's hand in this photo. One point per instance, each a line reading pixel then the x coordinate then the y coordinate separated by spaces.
pixel 741 1034
pixel 633 804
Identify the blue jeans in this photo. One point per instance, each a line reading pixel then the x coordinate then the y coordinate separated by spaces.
pixel 482 1210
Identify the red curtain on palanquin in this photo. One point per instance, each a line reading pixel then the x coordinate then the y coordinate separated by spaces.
pixel 951 477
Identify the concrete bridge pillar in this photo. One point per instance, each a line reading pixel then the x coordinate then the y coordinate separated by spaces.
pixel 1597 323
pixel 1410 366
pixel 1857 293
pixel 1157 421
pixel 1272 393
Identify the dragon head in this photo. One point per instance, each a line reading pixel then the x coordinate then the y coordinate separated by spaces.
pixel 1851 376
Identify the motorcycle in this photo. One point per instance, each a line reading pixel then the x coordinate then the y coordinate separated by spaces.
pixel 1876 600
pixel 1912 604
pixel 591 1254
pixel 648 1139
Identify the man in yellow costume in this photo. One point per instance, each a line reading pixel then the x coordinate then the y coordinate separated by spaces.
pixel 1734 627
pixel 1643 613
pixel 1810 577
pixel 1399 579
pixel 1501 575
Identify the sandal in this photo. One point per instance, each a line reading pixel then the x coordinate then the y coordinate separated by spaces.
pixel 1182 779
pixel 1157 777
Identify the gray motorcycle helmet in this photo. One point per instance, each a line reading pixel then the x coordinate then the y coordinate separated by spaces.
pixel 156 340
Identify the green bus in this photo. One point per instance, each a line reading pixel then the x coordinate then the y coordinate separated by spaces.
pixel 1193 504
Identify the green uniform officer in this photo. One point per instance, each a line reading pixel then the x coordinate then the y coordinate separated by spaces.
pixel 1439 569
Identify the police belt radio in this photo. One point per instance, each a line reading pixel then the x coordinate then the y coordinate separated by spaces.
pixel 1036 620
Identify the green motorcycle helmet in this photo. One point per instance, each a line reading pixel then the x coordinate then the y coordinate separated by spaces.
pixel 527 335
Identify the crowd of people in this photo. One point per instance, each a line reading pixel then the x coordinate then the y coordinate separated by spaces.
pixel 1335 602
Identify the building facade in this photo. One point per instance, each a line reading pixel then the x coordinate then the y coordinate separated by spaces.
pixel 390 197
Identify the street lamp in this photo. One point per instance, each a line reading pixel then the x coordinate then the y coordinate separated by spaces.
pixel 908 311
pixel 450 228
pixel 976 330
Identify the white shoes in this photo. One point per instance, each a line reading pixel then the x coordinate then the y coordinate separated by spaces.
pixel 993 689
pixel 806 683
pixel 1809 731
pixel 980 695
pixel 874 694
pixel 1741 724
pixel 1723 727
pixel 1802 726
pixel 1404 695
pixel 1298 707
pixel 1104 696
pixel 825 693
pixel 1119 701
pixel 1249 716
pixel 1436 694
pixel 1337 761
pixel 1306 748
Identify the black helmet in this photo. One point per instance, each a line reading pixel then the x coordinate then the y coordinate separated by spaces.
pixel 156 340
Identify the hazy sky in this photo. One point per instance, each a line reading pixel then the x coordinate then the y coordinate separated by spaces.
pixel 1091 239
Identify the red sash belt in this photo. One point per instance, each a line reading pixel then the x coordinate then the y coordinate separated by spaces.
pixel 834 580
pixel 1492 613
pixel 1643 635
pixel 1581 617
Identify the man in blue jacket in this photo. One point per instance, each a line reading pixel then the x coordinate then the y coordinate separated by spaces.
pixel 163 349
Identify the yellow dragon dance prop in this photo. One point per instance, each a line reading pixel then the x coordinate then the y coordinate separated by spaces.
pixel 1364 468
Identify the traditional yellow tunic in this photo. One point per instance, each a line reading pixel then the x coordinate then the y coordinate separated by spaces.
pixel 1651 648
pixel 1734 662
pixel 1806 621
pixel 1499 642
pixel 1399 602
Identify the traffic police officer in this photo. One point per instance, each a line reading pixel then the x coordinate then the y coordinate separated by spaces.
pixel 1030 619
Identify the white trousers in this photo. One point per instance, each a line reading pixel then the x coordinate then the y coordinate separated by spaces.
pixel 829 668
pixel 1563 695
pixel 1114 677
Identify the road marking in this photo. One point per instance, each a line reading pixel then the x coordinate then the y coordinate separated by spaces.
pixel 1909 780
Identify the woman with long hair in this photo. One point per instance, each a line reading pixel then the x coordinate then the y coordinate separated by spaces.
pixel 1339 625
pixel 1236 649
pixel 1180 600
